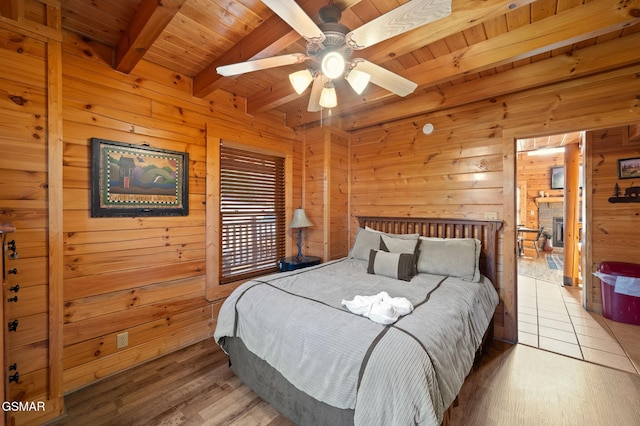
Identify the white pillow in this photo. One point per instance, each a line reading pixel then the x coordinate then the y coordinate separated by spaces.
pixel 369 239
pixel 455 257
pixel 413 236
pixel 398 245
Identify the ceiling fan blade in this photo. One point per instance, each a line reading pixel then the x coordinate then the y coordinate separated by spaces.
pixel 406 17
pixel 292 14
pixel 386 79
pixel 316 91
pixel 261 64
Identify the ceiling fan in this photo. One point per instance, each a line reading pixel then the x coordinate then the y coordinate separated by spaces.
pixel 331 44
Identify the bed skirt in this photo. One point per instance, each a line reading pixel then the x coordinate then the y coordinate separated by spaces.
pixel 271 386
pixel 291 402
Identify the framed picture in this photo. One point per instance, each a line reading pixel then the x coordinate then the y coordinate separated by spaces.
pixel 629 168
pixel 557 178
pixel 137 180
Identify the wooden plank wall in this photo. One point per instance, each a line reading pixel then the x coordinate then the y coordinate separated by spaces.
pixel 614 227
pixel 466 168
pixel 24 202
pixel 326 189
pixel 144 276
pixel 315 151
pixel 339 196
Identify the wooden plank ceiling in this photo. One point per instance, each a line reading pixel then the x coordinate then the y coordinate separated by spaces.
pixel 545 142
pixel 485 48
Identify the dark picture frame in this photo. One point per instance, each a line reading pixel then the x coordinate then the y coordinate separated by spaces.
pixel 130 180
pixel 629 168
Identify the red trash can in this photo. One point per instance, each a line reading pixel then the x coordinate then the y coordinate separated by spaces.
pixel 620 290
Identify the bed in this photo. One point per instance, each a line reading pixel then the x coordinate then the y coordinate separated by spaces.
pixel 297 341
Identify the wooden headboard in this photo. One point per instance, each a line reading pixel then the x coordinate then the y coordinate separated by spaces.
pixel 484 230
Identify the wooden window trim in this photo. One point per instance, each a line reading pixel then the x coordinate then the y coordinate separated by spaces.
pixel 214 291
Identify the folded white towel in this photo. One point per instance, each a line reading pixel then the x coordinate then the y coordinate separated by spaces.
pixel 380 308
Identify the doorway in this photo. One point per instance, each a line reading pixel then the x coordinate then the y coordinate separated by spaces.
pixel 551 315
pixel 540 205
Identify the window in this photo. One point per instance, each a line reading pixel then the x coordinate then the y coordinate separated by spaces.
pixel 252 213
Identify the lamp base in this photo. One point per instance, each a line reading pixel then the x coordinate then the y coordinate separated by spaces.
pixel 300 256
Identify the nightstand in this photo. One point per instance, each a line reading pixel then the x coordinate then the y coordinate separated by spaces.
pixel 292 263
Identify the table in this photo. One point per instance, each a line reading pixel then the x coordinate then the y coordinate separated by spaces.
pixel 292 263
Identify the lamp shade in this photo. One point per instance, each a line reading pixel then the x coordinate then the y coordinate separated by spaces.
pixel 328 98
pixel 358 80
pixel 300 219
pixel 300 80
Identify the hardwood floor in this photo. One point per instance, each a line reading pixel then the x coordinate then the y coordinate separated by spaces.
pixel 520 385
pixel 193 386
pixel 512 385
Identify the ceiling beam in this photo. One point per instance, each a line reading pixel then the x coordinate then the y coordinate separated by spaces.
pixel 272 34
pixel 465 14
pixel 150 19
pixel 564 29
pixel 271 37
pixel 616 111
pixel 591 60
pixel 572 26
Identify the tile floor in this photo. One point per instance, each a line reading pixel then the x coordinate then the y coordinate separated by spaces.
pixel 551 317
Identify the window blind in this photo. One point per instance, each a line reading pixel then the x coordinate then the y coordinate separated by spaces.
pixel 252 213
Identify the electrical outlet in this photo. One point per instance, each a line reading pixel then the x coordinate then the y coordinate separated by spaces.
pixel 490 216
pixel 122 340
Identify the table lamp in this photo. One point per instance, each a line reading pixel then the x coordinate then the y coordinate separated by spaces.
pixel 300 221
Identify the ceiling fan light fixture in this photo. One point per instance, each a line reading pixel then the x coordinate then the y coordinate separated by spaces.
pixel 333 65
pixel 328 97
pixel 358 80
pixel 300 80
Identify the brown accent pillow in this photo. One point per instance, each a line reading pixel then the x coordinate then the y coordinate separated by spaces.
pixel 400 266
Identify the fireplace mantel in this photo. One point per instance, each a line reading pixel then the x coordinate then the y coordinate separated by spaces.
pixel 539 200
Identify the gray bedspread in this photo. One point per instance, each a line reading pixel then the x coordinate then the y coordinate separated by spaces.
pixel 405 373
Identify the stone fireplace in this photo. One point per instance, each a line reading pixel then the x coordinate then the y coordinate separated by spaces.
pixel 551 217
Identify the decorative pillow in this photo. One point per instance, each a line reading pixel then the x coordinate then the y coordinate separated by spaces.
pixel 414 236
pixel 398 245
pixel 455 257
pixel 400 266
pixel 368 239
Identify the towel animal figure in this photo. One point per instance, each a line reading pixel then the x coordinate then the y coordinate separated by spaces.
pixel 380 308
